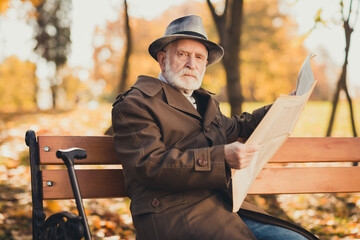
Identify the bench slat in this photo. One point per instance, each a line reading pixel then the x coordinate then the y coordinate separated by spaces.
pixel 107 183
pixel 319 149
pixel 99 183
pixel 307 180
pixel 101 151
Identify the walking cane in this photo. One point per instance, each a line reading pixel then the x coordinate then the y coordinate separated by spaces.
pixel 68 156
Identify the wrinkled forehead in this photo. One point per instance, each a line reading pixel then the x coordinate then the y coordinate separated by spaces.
pixel 188 45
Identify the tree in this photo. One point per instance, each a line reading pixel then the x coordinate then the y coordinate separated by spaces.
pixel 125 66
pixel 112 49
pixel 5 4
pixel 18 85
pixel 268 43
pixel 53 35
pixel 341 84
pixel 229 25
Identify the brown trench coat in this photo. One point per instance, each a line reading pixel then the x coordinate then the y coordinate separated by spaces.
pixel 173 159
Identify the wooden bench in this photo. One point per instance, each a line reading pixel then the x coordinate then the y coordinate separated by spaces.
pixel 296 168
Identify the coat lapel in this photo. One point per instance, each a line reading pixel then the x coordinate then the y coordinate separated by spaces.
pixel 177 100
pixel 211 106
pixel 151 86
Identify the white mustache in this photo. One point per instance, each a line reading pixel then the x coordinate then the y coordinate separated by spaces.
pixel 186 71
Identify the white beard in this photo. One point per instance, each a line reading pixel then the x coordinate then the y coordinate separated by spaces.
pixel 183 83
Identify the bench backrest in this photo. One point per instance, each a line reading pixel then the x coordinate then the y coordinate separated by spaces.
pixel 296 167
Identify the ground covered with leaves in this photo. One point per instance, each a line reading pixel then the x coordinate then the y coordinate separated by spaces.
pixel 329 216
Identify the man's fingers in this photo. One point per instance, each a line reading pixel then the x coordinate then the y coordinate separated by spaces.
pixel 239 155
pixel 251 147
pixel 244 159
pixel 245 162
pixel 246 155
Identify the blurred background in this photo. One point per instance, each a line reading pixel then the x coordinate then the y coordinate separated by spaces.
pixel 63 62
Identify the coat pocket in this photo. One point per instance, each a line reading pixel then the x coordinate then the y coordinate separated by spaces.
pixel 156 203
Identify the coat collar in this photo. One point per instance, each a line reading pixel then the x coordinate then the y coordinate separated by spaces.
pixel 152 86
pixel 211 107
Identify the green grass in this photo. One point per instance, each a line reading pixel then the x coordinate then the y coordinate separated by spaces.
pixel 314 120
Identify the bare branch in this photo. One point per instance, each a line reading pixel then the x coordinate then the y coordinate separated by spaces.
pixel 349 10
pixel 342 10
pixel 218 19
pixel 212 10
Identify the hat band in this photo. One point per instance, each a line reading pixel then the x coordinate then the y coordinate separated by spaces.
pixel 192 34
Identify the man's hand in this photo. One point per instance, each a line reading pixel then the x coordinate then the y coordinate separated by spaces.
pixel 239 155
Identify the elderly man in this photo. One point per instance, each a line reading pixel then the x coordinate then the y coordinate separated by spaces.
pixel 178 149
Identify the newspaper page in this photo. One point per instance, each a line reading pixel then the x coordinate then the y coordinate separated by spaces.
pixel 305 78
pixel 273 131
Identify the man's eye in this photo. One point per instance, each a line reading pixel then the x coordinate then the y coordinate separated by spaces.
pixel 200 58
pixel 182 55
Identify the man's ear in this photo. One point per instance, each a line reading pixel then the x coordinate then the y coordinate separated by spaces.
pixel 161 59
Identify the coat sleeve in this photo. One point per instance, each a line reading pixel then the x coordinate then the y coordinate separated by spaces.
pixel 242 126
pixel 138 142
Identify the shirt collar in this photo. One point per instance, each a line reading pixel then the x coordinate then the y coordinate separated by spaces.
pixel 162 78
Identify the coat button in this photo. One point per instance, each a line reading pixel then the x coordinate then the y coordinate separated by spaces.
pixel 206 129
pixel 155 203
pixel 202 161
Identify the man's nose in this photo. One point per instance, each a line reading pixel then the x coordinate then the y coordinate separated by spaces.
pixel 190 62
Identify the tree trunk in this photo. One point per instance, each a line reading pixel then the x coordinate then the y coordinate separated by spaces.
pixel 229 28
pixel 53 95
pixel 334 107
pixel 125 66
pixel 342 85
pixel 36 90
pixel 352 117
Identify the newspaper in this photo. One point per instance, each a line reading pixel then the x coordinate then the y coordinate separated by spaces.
pixel 273 131
pixel 305 78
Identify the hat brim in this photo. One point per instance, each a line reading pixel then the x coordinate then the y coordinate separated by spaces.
pixel 215 51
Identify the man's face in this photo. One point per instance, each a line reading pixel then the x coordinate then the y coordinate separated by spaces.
pixel 183 64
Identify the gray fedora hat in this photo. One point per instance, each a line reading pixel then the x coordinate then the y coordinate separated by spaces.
pixel 188 27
